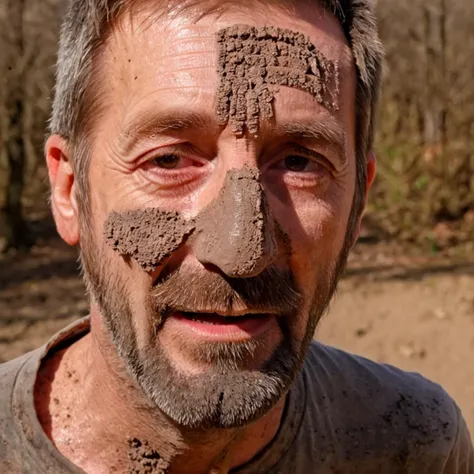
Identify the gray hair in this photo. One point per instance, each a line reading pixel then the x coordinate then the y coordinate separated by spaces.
pixel 86 27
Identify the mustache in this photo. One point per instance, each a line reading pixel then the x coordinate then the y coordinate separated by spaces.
pixel 272 291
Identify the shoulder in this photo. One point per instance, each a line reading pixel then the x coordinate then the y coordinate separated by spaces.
pixel 382 410
pixel 9 379
pixel 365 377
pixel 384 390
pixel 9 372
pixel 11 437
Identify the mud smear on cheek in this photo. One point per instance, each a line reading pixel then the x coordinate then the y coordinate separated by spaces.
pixel 253 61
pixel 149 236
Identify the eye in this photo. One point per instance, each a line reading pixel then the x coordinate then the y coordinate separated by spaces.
pixel 169 161
pixel 300 163
pixel 169 168
pixel 296 163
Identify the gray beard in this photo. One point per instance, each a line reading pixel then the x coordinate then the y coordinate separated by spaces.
pixel 226 396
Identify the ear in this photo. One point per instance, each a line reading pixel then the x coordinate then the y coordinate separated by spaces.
pixel 63 198
pixel 371 170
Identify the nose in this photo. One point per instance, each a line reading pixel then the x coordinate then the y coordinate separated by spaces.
pixel 236 231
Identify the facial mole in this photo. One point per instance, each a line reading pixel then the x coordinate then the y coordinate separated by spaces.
pixel 254 61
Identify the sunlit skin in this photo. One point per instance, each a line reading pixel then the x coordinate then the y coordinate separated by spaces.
pixel 153 69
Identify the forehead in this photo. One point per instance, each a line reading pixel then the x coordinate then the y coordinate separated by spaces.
pixel 153 61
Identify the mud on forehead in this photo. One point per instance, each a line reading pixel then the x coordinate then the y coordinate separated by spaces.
pixel 253 62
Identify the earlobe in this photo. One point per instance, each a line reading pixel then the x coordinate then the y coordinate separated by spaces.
pixel 62 180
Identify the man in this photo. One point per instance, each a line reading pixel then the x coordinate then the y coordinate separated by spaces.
pixel 212 160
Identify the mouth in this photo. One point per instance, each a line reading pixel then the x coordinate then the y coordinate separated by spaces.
pixel 217 327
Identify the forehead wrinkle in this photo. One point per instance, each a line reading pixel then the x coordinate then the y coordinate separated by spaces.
pixel 202 60
pixel 167 65
pixel 189 46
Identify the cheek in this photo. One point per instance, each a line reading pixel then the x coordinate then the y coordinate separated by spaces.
pixel 112 188
pixel 317 229
pixel 102 202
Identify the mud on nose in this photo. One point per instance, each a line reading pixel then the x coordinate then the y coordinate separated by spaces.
pixel 236 232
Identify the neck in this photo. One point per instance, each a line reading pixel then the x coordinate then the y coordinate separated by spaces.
pixel 97 418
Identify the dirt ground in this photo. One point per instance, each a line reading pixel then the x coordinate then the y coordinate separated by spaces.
pixel 414 312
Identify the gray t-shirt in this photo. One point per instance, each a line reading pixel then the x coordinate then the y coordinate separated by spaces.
pixel 344 415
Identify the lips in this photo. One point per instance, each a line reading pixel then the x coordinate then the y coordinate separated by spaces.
pixel 216 327
pixel 214 318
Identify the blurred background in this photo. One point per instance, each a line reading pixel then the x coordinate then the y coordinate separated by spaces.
pixel 408 295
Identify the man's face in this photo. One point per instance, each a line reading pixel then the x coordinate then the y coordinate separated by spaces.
pixel 252 216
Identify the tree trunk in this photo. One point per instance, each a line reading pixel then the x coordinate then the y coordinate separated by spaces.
pixel 12 224
pixel 435 98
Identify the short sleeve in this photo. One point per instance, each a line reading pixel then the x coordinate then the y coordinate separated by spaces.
pixel 461 457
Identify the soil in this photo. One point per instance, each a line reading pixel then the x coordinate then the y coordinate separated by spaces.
pixel 145 460
pixel 236 231
pixel 395 306
pixel 147 235
pixel 254 61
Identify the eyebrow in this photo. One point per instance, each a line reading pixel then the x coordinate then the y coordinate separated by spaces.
pixel 151 124
pixel 328 132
